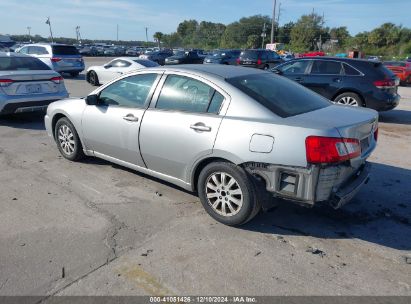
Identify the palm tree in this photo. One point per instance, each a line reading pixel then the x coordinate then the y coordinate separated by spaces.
pixel 158 36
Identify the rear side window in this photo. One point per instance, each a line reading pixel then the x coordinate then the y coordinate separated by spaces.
pixel 190 95
pixel 22 64
pixel 64 50
pixel 278 94
pixel 253 55
pixel 349 70
pixel 326 67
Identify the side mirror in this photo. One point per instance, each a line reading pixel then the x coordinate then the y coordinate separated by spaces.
pixel 107 66
pixel 277 71
pixel 92 100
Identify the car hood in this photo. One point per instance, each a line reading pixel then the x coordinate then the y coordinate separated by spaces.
pixel 350 122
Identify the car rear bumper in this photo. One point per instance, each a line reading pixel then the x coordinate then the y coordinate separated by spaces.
pixel 333 185
pixel 388 103
pixel 19 104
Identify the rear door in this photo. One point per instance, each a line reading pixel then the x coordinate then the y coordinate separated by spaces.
pixel 182 125
pixel 111 128
pixel 325 77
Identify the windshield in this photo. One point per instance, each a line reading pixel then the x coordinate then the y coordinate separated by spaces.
pixel 395 63
pixel 280 95
pixel 64 50
pixel 21 64
pixel 147 63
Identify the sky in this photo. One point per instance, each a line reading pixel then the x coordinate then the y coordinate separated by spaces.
pixel 98 19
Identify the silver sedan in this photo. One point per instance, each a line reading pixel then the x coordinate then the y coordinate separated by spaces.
pixel 239 137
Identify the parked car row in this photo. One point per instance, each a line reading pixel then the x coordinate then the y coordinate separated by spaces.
pixel 290 135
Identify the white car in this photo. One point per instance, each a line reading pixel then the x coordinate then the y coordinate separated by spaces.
pixel 101 74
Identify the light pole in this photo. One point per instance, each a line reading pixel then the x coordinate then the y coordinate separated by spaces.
pixel 51 33
pixel 29 29
pixel 147 35
pixel 273 22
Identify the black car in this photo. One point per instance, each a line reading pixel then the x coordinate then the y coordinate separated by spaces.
pixel 88 51
pixel 260 59
pixel 158 56
pixel 353 82
pixel 223 57
pixel 184 57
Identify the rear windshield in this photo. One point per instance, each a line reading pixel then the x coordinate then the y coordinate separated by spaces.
pixel 280 95
pixel 249 55
pixel 395 63
pixel 64 50
pixel 21 64
pixel 147 63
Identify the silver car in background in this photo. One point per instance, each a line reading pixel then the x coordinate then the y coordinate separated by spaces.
pixel 62 58
pixel 236 136
pixel 27 84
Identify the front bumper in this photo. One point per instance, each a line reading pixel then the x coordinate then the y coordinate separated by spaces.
pixel 334 185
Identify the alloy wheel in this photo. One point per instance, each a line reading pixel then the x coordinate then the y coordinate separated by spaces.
pixel 224 194
pixel 66 139
pixel 348 101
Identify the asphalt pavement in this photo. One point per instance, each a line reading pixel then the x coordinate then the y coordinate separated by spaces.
pixel 94 228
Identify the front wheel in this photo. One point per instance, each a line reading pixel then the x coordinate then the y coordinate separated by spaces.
pixel 228 194
pixel 68 141
pixel 93 78
pixel 348 99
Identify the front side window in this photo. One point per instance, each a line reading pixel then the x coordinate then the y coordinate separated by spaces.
pixel 130 92
pixel 186 94
pixel 24 50
pixel 295 67
pixel 120 64
pixel 326 67
pixel 279 94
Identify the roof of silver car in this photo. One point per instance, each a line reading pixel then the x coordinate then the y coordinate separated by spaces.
pixel 221 70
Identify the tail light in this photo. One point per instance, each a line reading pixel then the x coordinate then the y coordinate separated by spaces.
pixel 323 150
pixel 5 82
pixel 385 84
pixel 57 79
pixel 238 60
pixel 259 61
pixel 55 59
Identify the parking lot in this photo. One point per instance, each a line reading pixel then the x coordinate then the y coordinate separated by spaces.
pixel 94 228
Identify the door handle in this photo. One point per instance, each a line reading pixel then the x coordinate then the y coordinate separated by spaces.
pixel 200 127
pixel 298 79
pixel 337 79
pixel 130 117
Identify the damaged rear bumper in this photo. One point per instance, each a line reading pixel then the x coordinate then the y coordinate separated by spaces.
pixel 335 185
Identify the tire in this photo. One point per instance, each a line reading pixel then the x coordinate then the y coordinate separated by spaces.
pixel 349 99
pixel 93 78
pixel 229 209
pixel 74 74
pixel 266 67
pixel 67 139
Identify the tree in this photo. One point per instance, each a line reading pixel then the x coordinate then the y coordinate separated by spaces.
pixel 236 34
pixel 284 32
pixel 158 36
pixel 252 41
pixel 341 34
pixel 186 30
pixel 306 32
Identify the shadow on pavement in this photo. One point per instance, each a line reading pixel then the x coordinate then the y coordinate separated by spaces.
pixel 28 121
pixel 396 116
pixel 379 214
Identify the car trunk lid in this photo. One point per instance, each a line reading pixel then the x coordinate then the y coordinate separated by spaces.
pixel 35 82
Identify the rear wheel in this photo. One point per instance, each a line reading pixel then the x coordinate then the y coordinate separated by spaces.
pixel 349 99
pixel 93 78
pixel 228 194
pixel 266 67
pixel 67 140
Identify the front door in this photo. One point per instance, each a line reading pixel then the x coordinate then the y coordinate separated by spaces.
pixel 111 128
pixel 295 70
pixel 182 126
